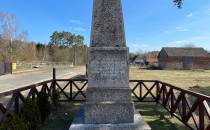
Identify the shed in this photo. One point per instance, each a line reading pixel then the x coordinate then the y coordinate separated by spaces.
pixel 183 58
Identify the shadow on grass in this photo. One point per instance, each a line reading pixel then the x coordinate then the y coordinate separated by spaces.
pixel 62 116
pixel 158 118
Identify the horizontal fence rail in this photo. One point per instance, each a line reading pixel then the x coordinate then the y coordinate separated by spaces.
pixel 189 107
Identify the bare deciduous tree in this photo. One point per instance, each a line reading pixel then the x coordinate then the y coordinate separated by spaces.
pixel 9 25
pixel 23 35
pixel 9 29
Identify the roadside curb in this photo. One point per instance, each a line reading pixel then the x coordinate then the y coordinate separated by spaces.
pixel 33 70
pixel 25 71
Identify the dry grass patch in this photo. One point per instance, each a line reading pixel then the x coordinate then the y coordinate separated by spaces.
pixel 180 78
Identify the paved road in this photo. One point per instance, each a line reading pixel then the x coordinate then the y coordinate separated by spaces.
pixel 9 82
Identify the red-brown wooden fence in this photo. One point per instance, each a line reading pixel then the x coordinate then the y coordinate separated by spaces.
pixel 189 107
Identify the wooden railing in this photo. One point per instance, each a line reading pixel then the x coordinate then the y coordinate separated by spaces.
pixel 189 107
pixel 71 89
pixel 11 101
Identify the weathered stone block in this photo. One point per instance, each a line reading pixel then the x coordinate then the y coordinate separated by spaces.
pixel 79 124
pixel 108 26
pixel 108 94
pixel 109 112
pixel 108 67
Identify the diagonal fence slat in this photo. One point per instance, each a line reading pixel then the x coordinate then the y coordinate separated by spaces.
pixel 193 114
pixel 207 108
pixel 133 91
pixel 79 90
pixel 149 91
pixel 59 87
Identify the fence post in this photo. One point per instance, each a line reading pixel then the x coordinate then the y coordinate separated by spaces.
pixel 86 71
pixel 54 81
pixel 54 73
pixel 184 108
pixel 201 115
pixel 140 91
pixel 157 91
pixel 172 102
pixel 16 103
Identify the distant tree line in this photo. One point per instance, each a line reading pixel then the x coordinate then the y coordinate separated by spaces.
pixel 62 47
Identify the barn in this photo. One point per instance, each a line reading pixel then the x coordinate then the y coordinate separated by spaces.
pixel 183 58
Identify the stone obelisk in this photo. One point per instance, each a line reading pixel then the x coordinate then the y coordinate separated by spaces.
pixel 108 94
pixel 109 105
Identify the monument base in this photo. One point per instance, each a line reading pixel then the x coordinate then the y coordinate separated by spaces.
pixel 109 112
pixel 78 124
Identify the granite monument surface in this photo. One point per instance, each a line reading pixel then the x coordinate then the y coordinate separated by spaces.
pixel 109 104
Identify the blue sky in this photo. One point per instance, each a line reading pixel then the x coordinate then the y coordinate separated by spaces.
pixel 149 24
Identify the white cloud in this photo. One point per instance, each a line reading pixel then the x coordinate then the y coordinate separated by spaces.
pixel 189 15
pixel 137 47
pixel 179 43
pixel 191 41
pixel 181 29
pixel 79 29
pixel 74 21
